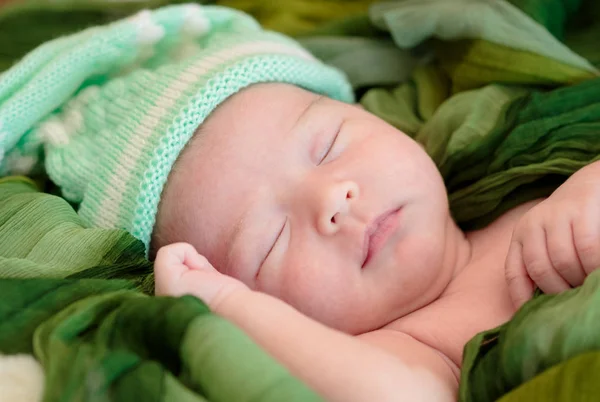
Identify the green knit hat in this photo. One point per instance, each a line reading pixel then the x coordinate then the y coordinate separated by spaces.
pixel 108 110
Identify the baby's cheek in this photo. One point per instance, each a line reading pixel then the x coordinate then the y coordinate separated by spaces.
pixel 422 275
pixel 327 299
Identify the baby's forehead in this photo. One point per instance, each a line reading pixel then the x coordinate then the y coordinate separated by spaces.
pixel 247 115
pixel 265 101
pixel 224 152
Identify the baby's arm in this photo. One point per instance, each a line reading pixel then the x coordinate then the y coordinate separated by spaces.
pixel 337 366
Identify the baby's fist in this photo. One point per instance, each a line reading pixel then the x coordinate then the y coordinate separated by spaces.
pixel 556 244
pixel 180 270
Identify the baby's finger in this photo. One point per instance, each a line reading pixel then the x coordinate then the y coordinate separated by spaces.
pixel 561 250
pixel 538 265
pixel 519 284
pixel 167 273
pixel 586 236
pixel 197 261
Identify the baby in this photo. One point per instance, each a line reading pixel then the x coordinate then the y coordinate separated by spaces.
pixel 316 227
pixel 328 209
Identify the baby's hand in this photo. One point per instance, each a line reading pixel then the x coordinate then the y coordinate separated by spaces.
pixel 556 244
pixel 180 270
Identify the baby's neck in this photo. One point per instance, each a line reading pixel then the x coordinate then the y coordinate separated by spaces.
pixel 471 249
pixel 458 251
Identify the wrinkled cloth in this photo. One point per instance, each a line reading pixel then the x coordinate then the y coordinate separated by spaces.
pixel 556 336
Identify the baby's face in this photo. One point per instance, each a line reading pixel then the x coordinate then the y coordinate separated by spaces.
pixel 314 201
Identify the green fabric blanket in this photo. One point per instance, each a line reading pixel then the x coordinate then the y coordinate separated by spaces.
pixel 505 97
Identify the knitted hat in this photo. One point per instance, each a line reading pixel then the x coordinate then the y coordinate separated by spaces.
pixel 109 109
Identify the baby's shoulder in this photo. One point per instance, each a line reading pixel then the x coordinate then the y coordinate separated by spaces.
pixel 508 220
pixel 489 245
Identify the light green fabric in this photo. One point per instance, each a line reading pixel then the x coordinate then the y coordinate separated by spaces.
pixel 413 21
pixel 464 119
pixel 255 374
pixel 482 42
pixel 348 54
pixel 409 104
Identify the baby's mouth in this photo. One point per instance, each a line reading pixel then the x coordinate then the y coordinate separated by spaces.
pixel 378 232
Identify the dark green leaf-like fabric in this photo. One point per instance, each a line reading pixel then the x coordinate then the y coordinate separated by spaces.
pixel 539 140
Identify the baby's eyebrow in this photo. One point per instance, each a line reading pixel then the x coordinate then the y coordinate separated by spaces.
pixel 308 108
pixel 231 240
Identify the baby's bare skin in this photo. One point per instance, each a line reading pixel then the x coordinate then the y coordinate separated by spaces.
pixel 278 193
pixel 474 301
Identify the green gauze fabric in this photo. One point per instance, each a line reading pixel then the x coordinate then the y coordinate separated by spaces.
pixel 42 237
pixel 108 110
pixel 558 331
pixel 103 339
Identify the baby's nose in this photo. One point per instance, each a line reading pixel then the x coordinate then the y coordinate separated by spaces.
pixel 335 206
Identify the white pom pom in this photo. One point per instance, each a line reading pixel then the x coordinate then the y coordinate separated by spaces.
pixel 196 23
pixel 149 32
pixel 21 379
pixel 54 133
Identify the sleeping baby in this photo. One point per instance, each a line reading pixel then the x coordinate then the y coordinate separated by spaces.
pixel 319 229
pixel 343 220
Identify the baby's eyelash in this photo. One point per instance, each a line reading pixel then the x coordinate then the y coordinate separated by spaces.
pixel 272 246
pixel 330 147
